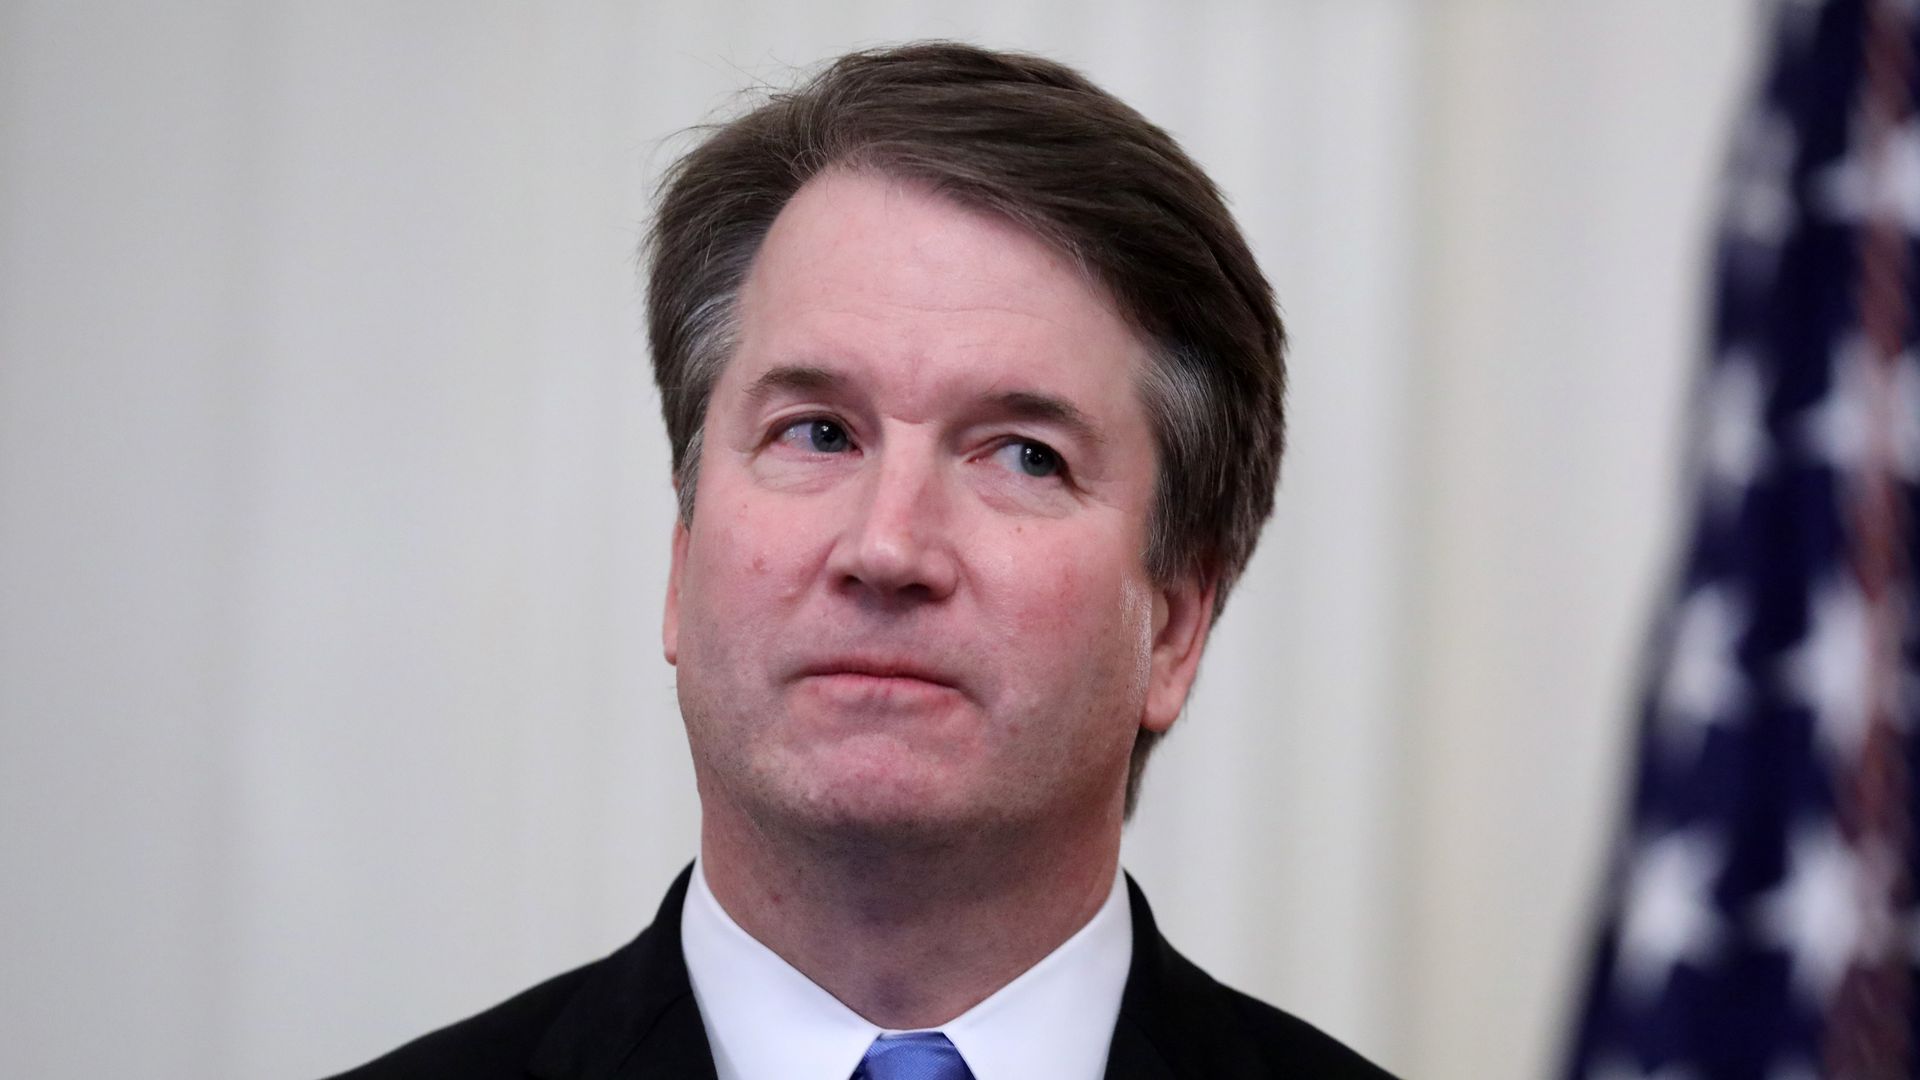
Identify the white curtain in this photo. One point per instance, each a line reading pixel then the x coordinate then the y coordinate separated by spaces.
pixel 334 504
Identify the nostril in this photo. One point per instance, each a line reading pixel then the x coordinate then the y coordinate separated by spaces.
pixel 897 570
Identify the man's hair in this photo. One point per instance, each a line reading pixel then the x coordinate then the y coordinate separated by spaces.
pixel 1037 143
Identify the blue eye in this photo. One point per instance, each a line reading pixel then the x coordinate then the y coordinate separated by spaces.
pixel 819 436
pixel 1030 458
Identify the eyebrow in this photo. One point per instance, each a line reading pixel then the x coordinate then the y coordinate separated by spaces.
pixel 1016 404
pixel 793 378
pixel 1045 408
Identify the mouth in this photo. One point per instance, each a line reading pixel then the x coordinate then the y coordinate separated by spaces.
pixel 874 678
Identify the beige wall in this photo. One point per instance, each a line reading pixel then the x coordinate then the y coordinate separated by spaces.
pixel 1571 157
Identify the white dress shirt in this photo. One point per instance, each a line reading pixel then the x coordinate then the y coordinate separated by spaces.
pixel 767 1021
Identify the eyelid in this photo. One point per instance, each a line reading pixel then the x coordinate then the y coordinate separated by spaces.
pixel 1063 470
pixel 778 426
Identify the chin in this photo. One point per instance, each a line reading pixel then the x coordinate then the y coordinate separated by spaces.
pixel 879 811
pixel 886 836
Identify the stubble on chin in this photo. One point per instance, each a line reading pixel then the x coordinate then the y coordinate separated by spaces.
pixel 838 802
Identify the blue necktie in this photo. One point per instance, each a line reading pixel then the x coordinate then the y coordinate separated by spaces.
pixel 923 1055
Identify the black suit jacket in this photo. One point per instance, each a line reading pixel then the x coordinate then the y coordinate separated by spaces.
pixel 631 1016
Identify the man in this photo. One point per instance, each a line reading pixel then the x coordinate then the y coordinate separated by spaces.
pixel 974 394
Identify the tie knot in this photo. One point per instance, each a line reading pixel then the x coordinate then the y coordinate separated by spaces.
pixel 923 1055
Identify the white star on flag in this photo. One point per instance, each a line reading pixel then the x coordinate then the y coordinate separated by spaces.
pixel 1759 206
pixel 1702 683
pixel 1828 673
pixel 1858 189
pixel 1838 429
pixel 1667 917
pixel 1733 438
pixel 1830 912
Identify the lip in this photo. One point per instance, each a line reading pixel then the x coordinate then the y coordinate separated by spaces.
pixel 878 669
pixel 877 675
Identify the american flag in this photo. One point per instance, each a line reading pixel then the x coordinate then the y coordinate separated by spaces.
pixel 1760 919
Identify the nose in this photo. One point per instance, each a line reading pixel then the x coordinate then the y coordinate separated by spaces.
pixel 897 546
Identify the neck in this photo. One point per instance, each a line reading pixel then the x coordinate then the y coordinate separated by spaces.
pixel 907 935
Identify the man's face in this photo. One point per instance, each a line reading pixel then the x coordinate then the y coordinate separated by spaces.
pixel 912 598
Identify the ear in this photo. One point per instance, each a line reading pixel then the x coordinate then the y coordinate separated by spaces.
pixel 1182 615
pixel 670 629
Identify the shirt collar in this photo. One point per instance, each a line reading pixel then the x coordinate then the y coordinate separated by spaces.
pixel 767 1021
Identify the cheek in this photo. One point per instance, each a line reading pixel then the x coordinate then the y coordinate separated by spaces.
pixel 1086 620
pixel 740 562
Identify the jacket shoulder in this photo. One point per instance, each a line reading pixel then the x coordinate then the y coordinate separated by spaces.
pixel 1177 1021
pixel 495 1043
pixel 1290 1045
pixel 582 1023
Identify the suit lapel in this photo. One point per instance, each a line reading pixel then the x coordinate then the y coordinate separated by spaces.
pixel 1133 1056
pixel 635 1017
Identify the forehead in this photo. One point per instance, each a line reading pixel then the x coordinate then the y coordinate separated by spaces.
pixel 867 273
